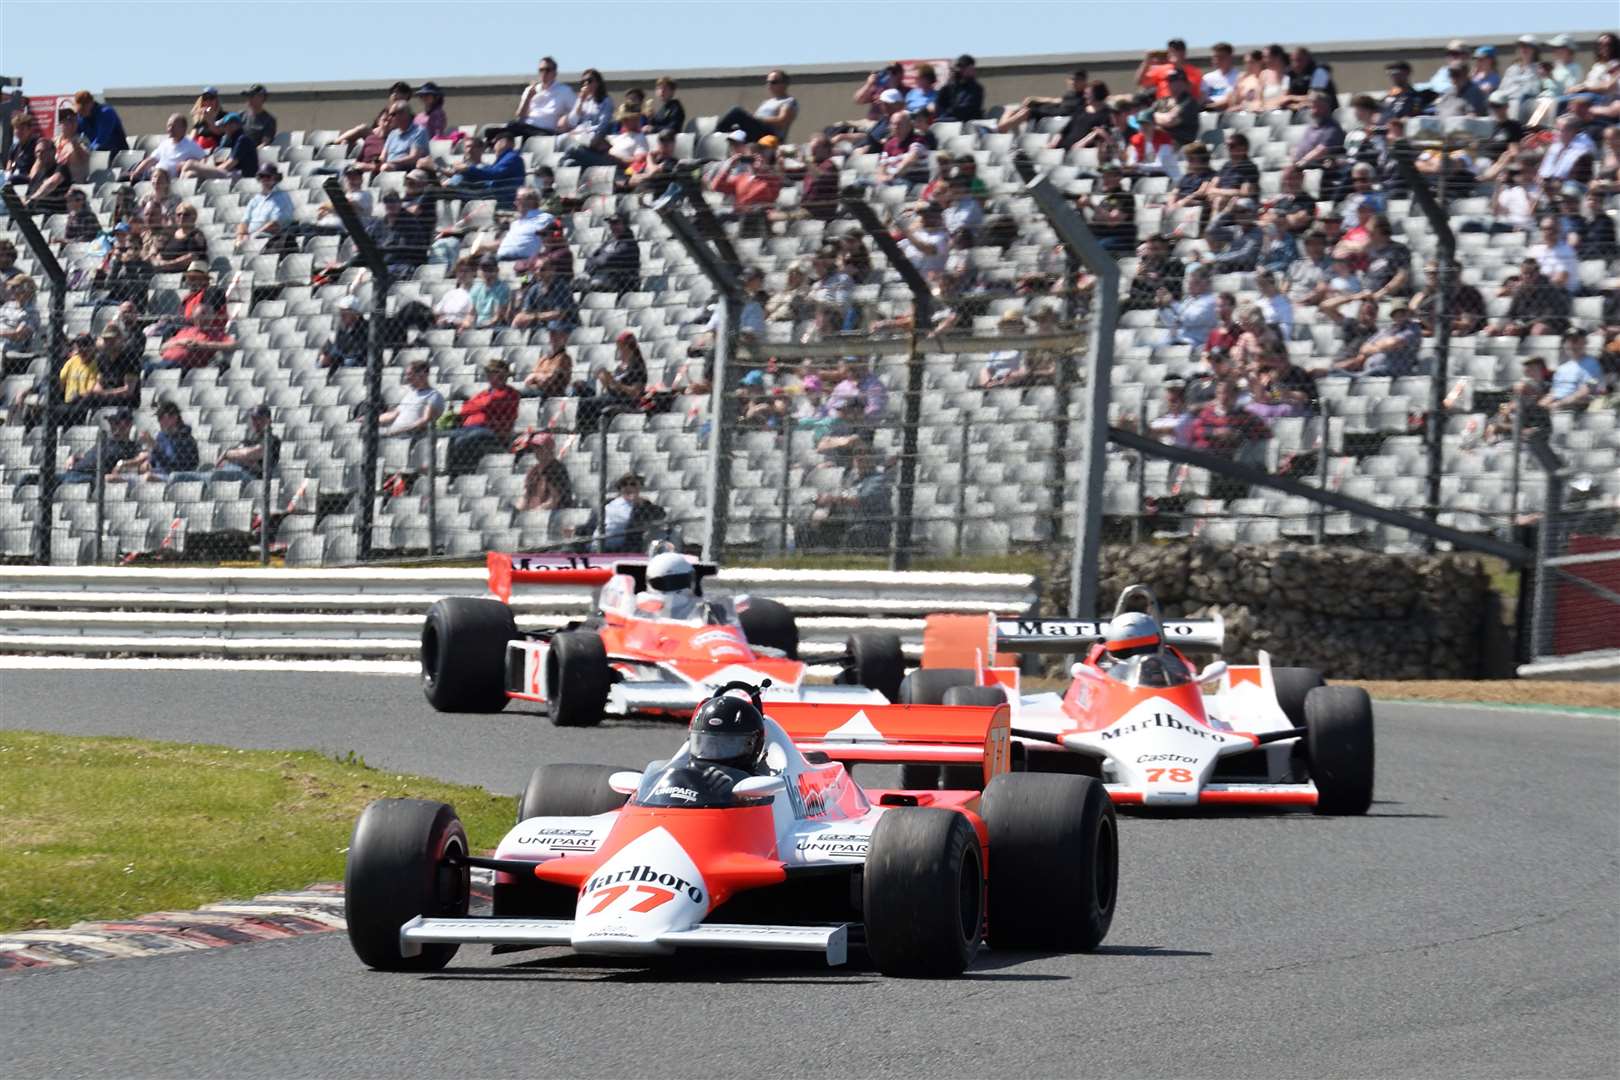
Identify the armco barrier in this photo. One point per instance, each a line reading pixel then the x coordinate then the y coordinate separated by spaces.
pixel 376 613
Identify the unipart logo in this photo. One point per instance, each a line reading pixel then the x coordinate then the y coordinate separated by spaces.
pixel 711 637
pixel 1165 722
pixel 644 875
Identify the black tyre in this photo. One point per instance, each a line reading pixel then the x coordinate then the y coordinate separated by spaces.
pixel 768 623
pixel 977 696
pixel 876 662
pixel 923 893
pixel 397 869
pixel 1292 685
pixel 945 686
pixel 569 791
pixel 927 686
pixel 1054 861
pixel 578 677
pixel 1339 748
pixel 464 654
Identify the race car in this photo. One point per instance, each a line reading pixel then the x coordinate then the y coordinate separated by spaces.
pixel 1141 716
pixel 654 645
pixel 755 835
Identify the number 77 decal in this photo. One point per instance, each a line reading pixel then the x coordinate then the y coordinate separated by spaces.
pixel 655 896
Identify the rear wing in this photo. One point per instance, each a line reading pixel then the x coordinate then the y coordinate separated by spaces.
pixel 889 734
pixel 974 641
pixel 590 571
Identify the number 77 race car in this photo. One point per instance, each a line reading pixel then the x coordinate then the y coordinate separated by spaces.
pixel 779 848
pixel 1142 717
pixel 654 645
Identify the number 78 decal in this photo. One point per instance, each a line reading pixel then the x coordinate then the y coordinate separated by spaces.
pixel 1175 776
pixel 654 897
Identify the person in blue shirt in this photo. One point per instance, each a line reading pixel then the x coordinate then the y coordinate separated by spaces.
pixel 924 92
pixel 406 145
pixel 99 124
pixel 236 156
pixel 501 178
pixel 1577 380
pixel 269 215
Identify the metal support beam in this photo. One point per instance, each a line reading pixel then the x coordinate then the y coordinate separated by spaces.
pixel 1439 220
pixel 1088 454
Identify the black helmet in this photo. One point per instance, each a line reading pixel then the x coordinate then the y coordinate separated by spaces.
pixel 727 731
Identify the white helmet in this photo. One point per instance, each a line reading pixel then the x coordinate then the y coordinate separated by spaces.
pixel 669 572
pixel 1132 633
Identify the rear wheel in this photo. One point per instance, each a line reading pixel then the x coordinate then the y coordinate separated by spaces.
pixel 768 623
pixel 969 777
pixel 1292 685
pixel 875 662
pixel 1054 861
pixel 577 679
pixel 1339 747
pixel 923 893
pixel 927 686
pixel 399 868
pixel 945 686
pixel 464 654
pixel 569 791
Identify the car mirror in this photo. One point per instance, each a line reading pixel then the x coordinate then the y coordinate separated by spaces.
pixel 1213 672
pixel 755 787
pixel 625 782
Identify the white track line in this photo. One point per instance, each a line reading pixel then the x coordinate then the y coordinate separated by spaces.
pixel 182 663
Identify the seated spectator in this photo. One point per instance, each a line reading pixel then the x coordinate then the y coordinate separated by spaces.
pixel 268 217
pixel 419 406
pixel 99 124
pixel 549 302
pixel 1094 115
pixel 1113 217
pixel 666 113
pixel 553 373
pixel 1555 256
pixel 453 310
pixel 962 96
pixel 370 138
pixel 118 363
pixel 541 109
pixel 1036 109
pixel 625 521
pixel 491 296
pixel 350 343
pixel 502 178
pixel 792 304
pixel 608 392
pixel 883 90
pixel 235 156
pixel 81 224
pixel 354 189
pixel 1322 145
pixel 1254 337
pixel 1158 66
pixel 201 343
pixel 1513 203
pixel 752 181
pixel 653 174
pixel 1442 80
pixel 1578 378
pixel 1572 147
pixel 118 448
pixel 1174 424
pixel 126 275
pixel 906 156
pixel 1465 307
pixel 257 122
pixel 831 287
pixel 1278 249
pixel 183 245
pixel 1461 97
pixel 1223 427
pixel 258 452
pixel 546 486
pixel 404 147
pixel 614 267
pixel 858 518
pixel 1388 352
pixel 1218 85
pixel 924 239
pixel 67 160
pixel 1005 367
pixel 79 377
pixel 616 149
pixel 1280 388
pixel 1388 264
pixel 1401 99
pixel 19 323
pixel 205 114
pixel 593 106
pixel 173 450
pixel 1274 305
pixel 1235 238
pixel 1176 115
pixel 484 422
pixel 1191 318
pixel 431 117
pixel 1239 178
pixel 1595 228
pixel 28 158
pixel 1191 188
pixel 172 153
pixel 1250 92
pixel 1155 269
pixel 1152 150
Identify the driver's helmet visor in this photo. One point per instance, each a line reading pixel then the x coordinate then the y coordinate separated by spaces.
pixel 670 582
pixel 723 746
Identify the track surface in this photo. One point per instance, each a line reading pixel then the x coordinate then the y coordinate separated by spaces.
pixel 1467 927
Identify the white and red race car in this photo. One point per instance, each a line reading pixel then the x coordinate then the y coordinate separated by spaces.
pixel 1155 728
pixel 794 855
pixel 633 655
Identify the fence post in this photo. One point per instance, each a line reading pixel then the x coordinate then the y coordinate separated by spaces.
pixel 101 490
pixel 602 423
pixel 1542 623
pixel 1518 449
pixel 961 486
pixel 56 347
pixel 1322 473
pixel 787 486
pixel 1082 243
pixel 433 491
pixel 266 478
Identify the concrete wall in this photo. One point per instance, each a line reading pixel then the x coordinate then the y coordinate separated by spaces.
pixel 824 91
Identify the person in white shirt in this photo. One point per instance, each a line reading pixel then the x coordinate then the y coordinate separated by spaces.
pixel 1557 259
pixel 1512 203
pixel 418 407
pixel 544 104
pixel 1561 156
pixel 523 237
pixel 1277 308
pixel 174 151
pixel 926 242
pixel 1220 80
pixel 774 116
pixel 455 308
pixel 1191 318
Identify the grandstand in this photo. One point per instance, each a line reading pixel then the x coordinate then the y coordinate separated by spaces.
pixel 987 458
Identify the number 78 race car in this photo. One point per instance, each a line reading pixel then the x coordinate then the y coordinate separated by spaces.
pixel 788 853
pixel 1142 717
pixel 654 645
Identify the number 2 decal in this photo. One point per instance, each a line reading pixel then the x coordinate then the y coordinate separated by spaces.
pixel 1175 776
pixel 655 897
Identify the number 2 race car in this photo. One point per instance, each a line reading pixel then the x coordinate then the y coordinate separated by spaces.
pixel 793 855
pixel 641 651
pixel 1156 729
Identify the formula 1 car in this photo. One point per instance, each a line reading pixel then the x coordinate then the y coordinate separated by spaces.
pixel 795 856
pixel 635 654
pixel 1156 729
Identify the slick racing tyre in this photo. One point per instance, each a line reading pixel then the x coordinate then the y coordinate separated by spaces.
pixel 1054 861
pixel 578 677
pixel 569 791
pixel 968 777
pixel 1292 685
pixel 464 654
pixel 931 686
pixel 923 893
pixel 768 623
pixel 397 869
pixel 875 662
pixel 1339 748
pixel 927 686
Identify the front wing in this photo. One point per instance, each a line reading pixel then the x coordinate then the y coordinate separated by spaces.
pixel 830 941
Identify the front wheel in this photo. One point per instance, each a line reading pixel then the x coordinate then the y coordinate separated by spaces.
pixel 923 893
pixel 569 791
pixel 577 679
pixel 401 864
pixel 464 654
pixel 875 662
pixel 1293 685
pixel 1339 747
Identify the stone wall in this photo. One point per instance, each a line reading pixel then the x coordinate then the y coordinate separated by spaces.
pixel 1350 613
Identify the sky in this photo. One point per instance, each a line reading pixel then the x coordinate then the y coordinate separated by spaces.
pixel 65 45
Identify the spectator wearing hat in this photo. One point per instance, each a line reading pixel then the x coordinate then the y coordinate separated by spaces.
pixel 553 373
pixel 431 117
pixel 625 520
pixel 236 156
pixel 607 392
pixel 1401 99
pixel 1522 80
pixel 546 486
pixel 205 114
pixel 484 421
pixel 751 180
pixel 1461 97
pixel 773 116
pixel 1506 132
pixel 491 296
pixel 1484 74
pixel 269 215
pixel 1177 114
pixel 117 448
pixel 615 266
pixel 549 302
pixel 962 96
pixel 354 189
pixel 172 451
pixel 99 124
pixel 1444 79
pixel 350 343
pixel 258 452
pixel 653 174
pixel 257 122
pixel 883 90
pixel 200 343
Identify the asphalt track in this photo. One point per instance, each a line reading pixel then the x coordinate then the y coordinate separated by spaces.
pixel 1467 927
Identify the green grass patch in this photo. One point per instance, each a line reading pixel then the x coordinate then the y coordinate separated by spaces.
pixel 101 828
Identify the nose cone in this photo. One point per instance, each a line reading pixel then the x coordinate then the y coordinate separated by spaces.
pixel 649 888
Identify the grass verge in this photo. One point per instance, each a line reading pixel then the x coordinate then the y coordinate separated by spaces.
pixel 100 828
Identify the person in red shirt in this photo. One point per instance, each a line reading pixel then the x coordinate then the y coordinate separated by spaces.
pixel 199 343
pixel 486 421
pixel 1221 427
pixel 1156 66
pixel 753 181
pixel 1151 151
